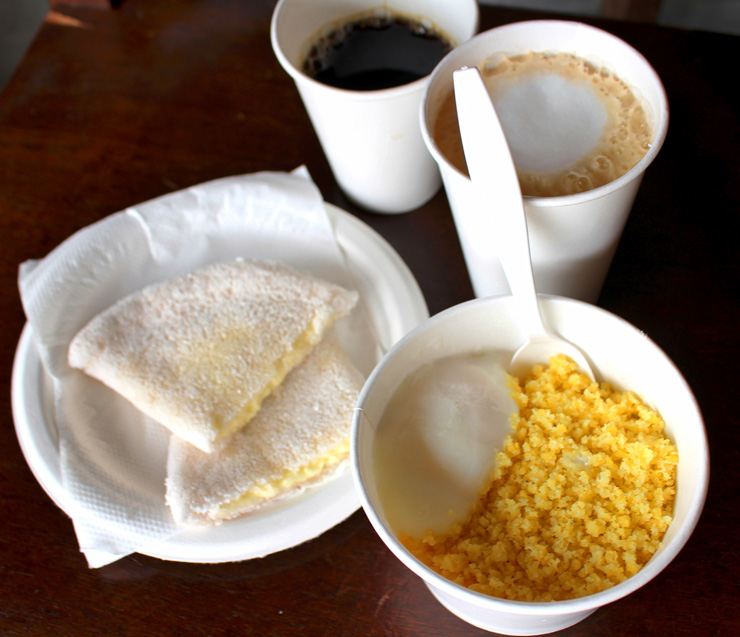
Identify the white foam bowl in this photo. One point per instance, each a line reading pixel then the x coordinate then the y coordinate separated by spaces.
pixel 622 355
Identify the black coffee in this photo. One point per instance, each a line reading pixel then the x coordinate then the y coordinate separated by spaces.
pixel 376 52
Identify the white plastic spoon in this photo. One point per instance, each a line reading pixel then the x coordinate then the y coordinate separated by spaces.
pixel 492 172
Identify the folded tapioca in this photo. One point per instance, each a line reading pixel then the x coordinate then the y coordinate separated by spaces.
pixel 300 437
pixel 199 353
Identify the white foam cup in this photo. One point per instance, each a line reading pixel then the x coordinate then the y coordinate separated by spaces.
pixel 620 353
pixel 573 238
pixel 371 139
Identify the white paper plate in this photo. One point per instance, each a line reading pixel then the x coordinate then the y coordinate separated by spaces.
pixel 395 304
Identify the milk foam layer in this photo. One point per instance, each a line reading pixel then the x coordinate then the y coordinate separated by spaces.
pixel 571 126
pixel 436 443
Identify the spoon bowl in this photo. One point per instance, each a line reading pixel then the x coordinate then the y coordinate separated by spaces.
pixel 494 177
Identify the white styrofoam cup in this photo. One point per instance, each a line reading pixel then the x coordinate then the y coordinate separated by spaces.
pixel 371 139
pixel 573 238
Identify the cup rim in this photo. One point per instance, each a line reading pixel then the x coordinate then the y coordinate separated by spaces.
pixel 649 571
pixel 391 92
pixel 559 200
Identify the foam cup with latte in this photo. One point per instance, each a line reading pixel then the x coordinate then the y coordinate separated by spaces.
pixel 584 115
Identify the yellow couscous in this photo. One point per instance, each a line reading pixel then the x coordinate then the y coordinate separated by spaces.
pixel 580 499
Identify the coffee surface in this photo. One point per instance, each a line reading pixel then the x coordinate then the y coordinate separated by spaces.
pixel 571 126
pixel 374 52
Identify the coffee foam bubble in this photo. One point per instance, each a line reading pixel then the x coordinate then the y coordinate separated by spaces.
pixel 571 125
pixel 551 122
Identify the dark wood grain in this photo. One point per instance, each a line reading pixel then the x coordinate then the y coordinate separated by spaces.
pixel 114 107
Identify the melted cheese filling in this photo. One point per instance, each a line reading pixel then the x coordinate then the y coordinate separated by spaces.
pixel 264 491
pixel 290 359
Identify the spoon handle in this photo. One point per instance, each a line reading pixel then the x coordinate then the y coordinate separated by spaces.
pixel 492 171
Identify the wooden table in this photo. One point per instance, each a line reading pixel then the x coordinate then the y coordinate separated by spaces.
pixel 114 107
